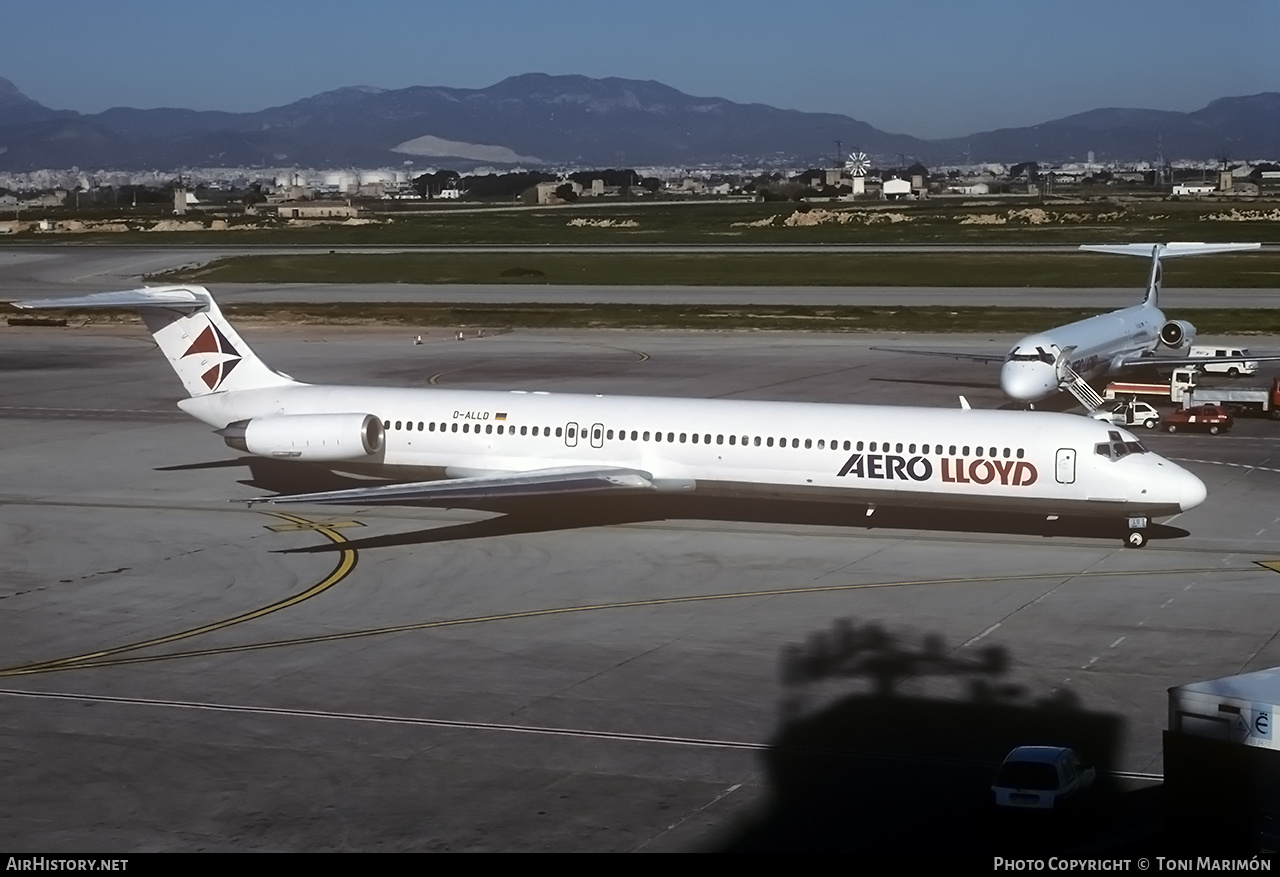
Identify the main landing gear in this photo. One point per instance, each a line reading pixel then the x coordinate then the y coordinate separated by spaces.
pixel 1137 535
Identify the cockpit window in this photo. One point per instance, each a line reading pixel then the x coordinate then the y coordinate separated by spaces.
pixel 1117 450
pixel 1038 355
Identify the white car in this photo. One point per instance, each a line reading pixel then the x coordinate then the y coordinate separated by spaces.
pixel 1130 414
pixel 1041 778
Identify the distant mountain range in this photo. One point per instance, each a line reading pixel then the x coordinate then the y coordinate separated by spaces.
pixel 536 119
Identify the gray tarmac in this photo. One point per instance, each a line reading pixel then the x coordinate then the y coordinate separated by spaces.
pixel 179 671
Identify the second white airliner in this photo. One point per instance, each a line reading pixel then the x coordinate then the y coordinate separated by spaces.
pixel 452 447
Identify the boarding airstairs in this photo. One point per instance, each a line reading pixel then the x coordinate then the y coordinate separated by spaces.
pixel 1075 385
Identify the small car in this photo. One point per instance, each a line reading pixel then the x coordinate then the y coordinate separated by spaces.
pixel 1041 778
pixel 1130 414
pixel 1213 419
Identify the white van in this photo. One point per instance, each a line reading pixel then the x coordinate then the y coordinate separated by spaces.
pixel 1232 361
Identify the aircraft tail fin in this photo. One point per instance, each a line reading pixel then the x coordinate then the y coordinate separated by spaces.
pixel 208 355
pixel 1156 252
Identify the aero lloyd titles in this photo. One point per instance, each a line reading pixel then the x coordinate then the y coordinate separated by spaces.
pixel 955 470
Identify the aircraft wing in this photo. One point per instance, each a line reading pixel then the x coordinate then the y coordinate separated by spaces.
pixel 568 480
pixel 949 354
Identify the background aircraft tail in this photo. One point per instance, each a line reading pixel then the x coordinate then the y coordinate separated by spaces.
pixel 1164 251
pixel 201 346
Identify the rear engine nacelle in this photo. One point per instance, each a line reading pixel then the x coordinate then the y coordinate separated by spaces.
pixel 1177 334
pixel 322 438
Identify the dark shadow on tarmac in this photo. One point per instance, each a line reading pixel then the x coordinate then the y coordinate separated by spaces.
pixel 535 516
pixel 570 513
pixel 879 772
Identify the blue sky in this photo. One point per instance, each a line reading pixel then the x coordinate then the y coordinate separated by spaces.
pixel 932 69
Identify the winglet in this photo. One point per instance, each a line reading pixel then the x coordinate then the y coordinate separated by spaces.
pixel 964 403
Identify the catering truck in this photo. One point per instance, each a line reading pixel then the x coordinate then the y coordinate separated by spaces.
pixel 1264 400
pixel 1183 381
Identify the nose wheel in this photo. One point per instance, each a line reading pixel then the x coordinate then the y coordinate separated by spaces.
pixel 1137 535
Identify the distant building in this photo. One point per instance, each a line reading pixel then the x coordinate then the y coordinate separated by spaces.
pixel 895 189
pixel 313 209
pixel 1194 189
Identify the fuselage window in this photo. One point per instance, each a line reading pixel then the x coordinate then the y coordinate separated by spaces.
pixel 977 452
pixel 911 448
pixel 719 439
pixel 706 438
pixel 733 439
pixel 499 429
pixel 535 430
pixel 1006 453
pixel 822 444
pixel 431 427
pixel 1019 453
pixel 386 424
pixel 846 445
pixel 559 432
pixel 991 452
pixel 646 435
pixel 898 447
pixel 952 450
pixel 795 443
pixel 870 447
pixel 633 435
pixel 657 436
pixel 397 424
pixel 769 441
pixel 609 434
pixel 683 436
pixel 671 436
pixel 453 427
pixel 488 429
pixel 966 450
pixel 524 430
pixel 757 441
pixel 694 437
pixel 596 433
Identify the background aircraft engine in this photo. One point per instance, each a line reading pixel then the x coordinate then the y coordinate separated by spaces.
pixel 1177 334
pixel 314 437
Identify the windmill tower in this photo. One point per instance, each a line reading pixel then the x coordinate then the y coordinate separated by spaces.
pixel 857 166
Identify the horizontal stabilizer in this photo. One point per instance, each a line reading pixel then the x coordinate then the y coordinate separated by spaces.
pixel 1169 250
pixel 502 485
pixel 178 297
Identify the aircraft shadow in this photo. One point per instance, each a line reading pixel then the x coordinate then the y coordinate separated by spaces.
pixel 549 514
pixel 545 514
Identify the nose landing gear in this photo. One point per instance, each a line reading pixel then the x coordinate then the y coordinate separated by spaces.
pixel 1137 535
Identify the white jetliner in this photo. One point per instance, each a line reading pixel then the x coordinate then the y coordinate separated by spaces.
pixel 1068 357
pixel 485 445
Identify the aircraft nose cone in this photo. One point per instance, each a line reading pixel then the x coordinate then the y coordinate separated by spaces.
pixel 1191 491
pixel 1027 381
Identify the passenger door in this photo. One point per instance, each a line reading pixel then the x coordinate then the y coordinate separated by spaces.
pixel 1066 468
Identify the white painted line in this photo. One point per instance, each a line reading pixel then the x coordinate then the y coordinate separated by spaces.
pixel 965 645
